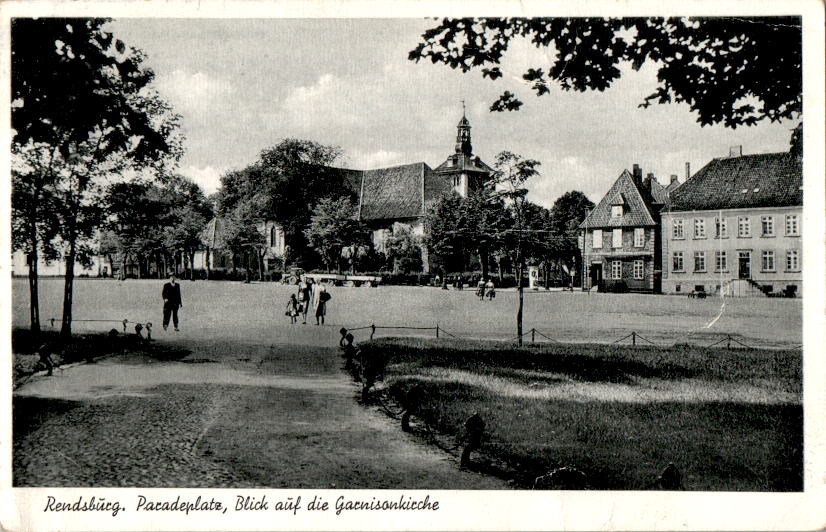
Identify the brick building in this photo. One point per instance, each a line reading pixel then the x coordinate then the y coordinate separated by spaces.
pixel 621 236
pixel 735 227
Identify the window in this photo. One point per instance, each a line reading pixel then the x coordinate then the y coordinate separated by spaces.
pixel 767 225
pixel 616 211
pixel 677 288
pixel 792 225
pixel 720 261
pixel 699 261
pixel 639 237
pixel 743 227
pixel 678 229
pixel 616 240
pixel 768 261
pixel 616 269
pixel 677 264
pixel 699 227
pixel 720 228
pixel 597 239
pixel 639 269
pixel 273 237
pixel 792 260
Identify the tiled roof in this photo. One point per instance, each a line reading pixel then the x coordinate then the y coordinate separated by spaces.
pixel 636 210
pixel 394 192
pixel 213 234
pixel 659 193
pixel 762 180
pixel 435 186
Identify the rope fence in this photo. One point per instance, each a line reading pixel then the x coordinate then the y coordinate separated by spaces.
pixel 533 334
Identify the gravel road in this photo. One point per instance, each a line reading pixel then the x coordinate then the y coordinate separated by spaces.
pixel 228 414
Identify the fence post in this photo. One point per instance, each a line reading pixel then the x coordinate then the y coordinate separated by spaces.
pixel 372 330
pixel 533 335
pixel 728 342
pixel 633 338
pixel 437 329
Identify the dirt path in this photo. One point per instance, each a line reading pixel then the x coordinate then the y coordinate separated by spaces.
pixel 227 414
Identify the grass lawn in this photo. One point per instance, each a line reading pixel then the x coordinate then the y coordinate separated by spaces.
pixel 255 312
pixel 729 419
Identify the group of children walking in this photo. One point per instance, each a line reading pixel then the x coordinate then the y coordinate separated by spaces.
pixel 309 296
pixel 485 290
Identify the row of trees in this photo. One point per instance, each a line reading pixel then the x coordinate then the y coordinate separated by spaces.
pixel 83 114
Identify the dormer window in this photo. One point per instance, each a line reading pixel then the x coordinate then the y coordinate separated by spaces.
pixel 618 206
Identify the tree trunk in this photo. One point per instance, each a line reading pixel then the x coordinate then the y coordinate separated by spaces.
pixel 34 300
pixel 192 266
pixel 66 324
pixel 521 298
pixel 484 261
pixel 206 263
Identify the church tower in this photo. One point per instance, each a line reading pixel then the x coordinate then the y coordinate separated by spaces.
pixel 462 170
pixel 463 146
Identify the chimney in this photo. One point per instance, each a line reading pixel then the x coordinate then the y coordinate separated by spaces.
pixel 674 179
pixel 687 170
pixel 637 174
pixel 735 151
pixel 649 179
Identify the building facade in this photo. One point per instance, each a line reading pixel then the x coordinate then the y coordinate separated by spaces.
pixel 621 236
pixel 735 228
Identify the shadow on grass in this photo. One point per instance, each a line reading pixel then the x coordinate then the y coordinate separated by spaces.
pixel 719 446
pixel 591 362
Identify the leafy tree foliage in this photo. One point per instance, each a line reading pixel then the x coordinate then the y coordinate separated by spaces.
pixel 735 71
pixel 404 249
pixel 448 236
pixel 34 222
pixel 523 238
pixel 567 213
pixel 333 227
pixel 284 185
pixel 81 92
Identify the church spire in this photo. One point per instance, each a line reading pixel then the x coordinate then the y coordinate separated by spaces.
pixel 463 146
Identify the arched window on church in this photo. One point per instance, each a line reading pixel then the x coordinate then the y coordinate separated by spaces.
pixel 273 236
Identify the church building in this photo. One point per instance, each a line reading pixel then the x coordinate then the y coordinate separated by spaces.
pixel 388 198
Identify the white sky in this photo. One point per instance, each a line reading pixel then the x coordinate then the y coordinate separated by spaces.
pixel 242 85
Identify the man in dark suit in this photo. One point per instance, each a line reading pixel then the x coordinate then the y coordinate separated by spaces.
pixel 171 295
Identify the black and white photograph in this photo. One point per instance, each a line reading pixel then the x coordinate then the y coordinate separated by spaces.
pixel 347 268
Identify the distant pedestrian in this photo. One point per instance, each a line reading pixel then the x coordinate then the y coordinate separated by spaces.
pixel 480 289
pixel 293 308
pixel 305 291
pixel 320 299
pixel 460 283
pixel 44 354
pixel 489 290
pixel 171 295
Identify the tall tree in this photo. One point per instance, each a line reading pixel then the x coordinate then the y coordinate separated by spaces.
pixel 34 225
pixel 716 65
pixel 333 227
pixel 567 213
pixel 285 185
pixel 404 249
pixel 81 91
pixel 448 236
pixel 189 211
pixel 511 172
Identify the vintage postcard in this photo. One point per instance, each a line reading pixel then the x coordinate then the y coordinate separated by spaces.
pixel 413 266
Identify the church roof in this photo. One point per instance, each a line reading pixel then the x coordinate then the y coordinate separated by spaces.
pixel 395 192
pixel 462 163
pixel 213 234
pixel 760 180
pixel 636 210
